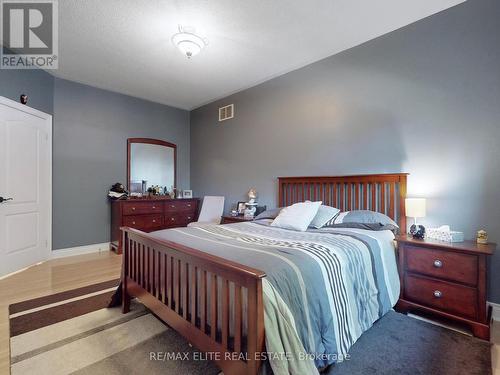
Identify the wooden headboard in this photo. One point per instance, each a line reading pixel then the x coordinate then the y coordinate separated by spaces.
pixel 383 193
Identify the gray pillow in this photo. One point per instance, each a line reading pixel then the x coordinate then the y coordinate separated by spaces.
pixel 268 214
pixel 365 219
pixel 325 216
pixel 372 226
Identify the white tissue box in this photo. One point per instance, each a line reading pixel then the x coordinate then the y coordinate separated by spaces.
pixel 446 235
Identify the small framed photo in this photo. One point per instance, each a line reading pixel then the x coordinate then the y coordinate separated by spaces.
pixel 241 208
pixel 187 194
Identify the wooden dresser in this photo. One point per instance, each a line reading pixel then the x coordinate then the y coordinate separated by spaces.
pixel 149 215
pixel 445 279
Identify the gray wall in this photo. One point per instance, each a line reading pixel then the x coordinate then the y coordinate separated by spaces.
pixel 37 84
pixel 91 127
pixel 424 99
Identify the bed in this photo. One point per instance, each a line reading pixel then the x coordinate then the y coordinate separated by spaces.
pixel 249 293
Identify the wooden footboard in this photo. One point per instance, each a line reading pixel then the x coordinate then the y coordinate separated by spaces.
pixel 205 298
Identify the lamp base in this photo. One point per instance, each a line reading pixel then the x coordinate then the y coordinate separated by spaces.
pixel 417 231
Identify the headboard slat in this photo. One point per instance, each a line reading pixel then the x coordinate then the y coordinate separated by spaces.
pixel 387 191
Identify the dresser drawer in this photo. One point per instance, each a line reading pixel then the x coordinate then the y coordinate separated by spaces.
pixel 185 217
pixel 135 208
pixel 172 220
pixel 143 222
pixel 178 206
pixel 453 298
pixel 447 265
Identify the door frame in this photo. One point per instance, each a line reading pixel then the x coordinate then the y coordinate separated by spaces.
pixel 48 119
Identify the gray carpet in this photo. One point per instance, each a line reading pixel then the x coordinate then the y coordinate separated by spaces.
pixel 401 345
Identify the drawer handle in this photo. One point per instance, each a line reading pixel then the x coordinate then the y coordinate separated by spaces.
pixel 438 294
pixel 438 263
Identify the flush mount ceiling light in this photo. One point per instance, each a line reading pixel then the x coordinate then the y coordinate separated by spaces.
pixel 188 42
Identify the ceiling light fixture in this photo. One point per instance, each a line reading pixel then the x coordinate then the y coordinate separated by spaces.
pixel 188 42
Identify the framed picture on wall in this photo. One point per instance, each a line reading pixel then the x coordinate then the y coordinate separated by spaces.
pixel 187 194
pixel 241 208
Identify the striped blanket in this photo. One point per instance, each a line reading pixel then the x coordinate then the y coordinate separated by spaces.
pixel 323 289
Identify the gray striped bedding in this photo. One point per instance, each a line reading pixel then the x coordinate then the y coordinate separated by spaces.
pixel 323 288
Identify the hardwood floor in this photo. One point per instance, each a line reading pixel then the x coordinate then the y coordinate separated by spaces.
pixel 51 277
pixel 74 272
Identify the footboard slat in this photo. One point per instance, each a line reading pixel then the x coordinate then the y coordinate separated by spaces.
pixel 225 312
pixel 170 278
pixel 237 318
pixel 203 303
pixel 177 288
pixel 199 295
pixel 213 306
pixel 185 290
pixel 194 294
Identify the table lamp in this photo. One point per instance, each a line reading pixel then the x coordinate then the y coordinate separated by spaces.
pixel 415 207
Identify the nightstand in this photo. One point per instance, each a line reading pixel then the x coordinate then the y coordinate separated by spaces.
pixel 228 219
pixel 445 279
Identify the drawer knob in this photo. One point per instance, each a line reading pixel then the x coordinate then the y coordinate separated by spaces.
pixel 189 205
pixel 438 263
pixel 438 294
pixel 189 217
pixel 172 206
pixel 133 222
pixel 172 219
pixel 133 208
pixel 154 221
pixel 154 207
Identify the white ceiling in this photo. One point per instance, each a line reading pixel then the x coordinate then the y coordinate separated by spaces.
pixel 125 46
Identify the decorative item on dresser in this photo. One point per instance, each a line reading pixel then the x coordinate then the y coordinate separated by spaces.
pixel 149 215
pixel 228 219
pixel 445 279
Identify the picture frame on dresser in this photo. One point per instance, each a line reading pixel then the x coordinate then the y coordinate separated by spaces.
pixel 240 207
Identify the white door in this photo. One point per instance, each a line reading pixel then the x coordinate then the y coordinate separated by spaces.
pixel 25 186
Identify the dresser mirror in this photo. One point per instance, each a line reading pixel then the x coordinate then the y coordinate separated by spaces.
pixel 151 164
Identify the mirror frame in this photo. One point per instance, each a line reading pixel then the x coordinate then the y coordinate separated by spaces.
pixel 150 141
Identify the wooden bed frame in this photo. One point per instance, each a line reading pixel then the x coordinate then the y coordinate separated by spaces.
pixel 172 280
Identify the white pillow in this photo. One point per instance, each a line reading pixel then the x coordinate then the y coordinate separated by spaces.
pixel 298 216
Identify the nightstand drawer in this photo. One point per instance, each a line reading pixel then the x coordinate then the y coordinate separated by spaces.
pixel 442 264
pixel 453 298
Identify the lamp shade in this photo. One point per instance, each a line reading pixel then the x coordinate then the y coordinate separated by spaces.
pixel 415 207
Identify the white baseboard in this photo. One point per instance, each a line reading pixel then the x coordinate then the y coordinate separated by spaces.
pixel 496 311
pixel 80 250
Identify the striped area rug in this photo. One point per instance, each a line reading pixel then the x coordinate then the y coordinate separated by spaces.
pixel 74 333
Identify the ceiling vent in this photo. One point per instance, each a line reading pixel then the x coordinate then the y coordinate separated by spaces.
pixel 226 113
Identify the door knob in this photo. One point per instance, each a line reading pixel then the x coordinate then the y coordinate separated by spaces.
pixel 2 199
